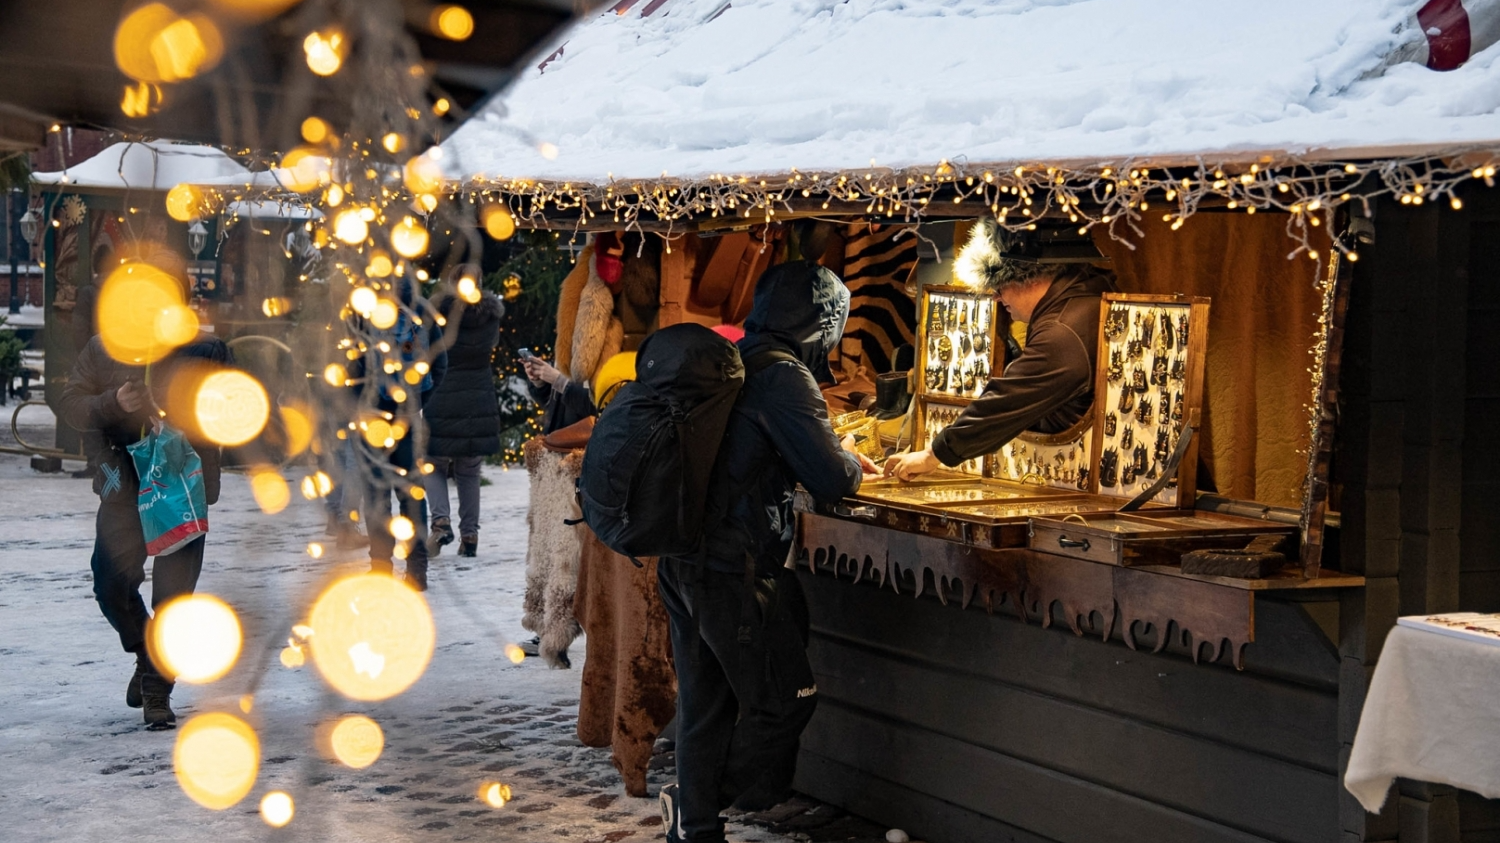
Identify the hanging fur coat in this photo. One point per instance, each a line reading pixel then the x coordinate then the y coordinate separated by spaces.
pixel 552 551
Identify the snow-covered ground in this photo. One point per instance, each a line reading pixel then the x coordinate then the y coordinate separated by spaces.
pixel 75 764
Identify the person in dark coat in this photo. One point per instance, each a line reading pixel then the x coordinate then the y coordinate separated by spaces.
pixel 737 616
pixel 110 403
pixel 463 419
pixel 1046 389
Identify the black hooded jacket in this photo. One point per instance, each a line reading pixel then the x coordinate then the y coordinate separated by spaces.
pixel 1048 388
pixel 463 415
pixel 778 435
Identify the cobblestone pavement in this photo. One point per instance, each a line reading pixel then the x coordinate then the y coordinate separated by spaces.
pixel 75 764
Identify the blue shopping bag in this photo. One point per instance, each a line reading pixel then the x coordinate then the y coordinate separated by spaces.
pixel 174 510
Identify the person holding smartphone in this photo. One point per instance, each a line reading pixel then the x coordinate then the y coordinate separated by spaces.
pixel 563 400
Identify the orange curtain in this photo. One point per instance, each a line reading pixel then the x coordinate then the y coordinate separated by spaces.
pixel 1261 325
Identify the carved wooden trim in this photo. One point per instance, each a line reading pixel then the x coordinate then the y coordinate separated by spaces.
pixel 1128 600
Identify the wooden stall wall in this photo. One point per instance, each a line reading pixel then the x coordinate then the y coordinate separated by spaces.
pixel 1416 467
pixel 961 726
pixel 1264 318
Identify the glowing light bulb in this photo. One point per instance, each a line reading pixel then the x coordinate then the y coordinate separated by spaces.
pixel 185 203
pixel 231 408
pixel 374 636
pixel 468 290
pixel 356 741
pixel 363 300
pixel 385 314
pixel 270 491
pixel 335 375
pixel 498 222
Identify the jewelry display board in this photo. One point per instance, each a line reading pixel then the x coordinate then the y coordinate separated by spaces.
pixel 1149 381
pixel 957 350
pixel 1061 460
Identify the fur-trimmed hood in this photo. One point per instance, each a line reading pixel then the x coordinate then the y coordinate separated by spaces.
pixel 981 263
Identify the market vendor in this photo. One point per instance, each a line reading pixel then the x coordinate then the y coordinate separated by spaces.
pixel 1050 385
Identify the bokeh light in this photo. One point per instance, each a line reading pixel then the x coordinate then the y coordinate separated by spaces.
pixel 350 227
pixel 468 290
pixel 292 657
pixel 315 550
pixel 402 529
pixel 185 203
pixel 452 22
pixel 498 222
pixel 335 375
pixel 409 238
pixel 216 759
pixel 277 809
pixel 393 142
pixel 270 490
pixel 515 653
pixel 315 129
pixel 153 44
pixel 297 421
pixel 385 313
pixel 373 636
pixel 494 794
pixel 141 314
pixel 254 9
pixel 356 741
pixel 325 51
pixel 423 175
pixel 231 407
pixel 195 638
pixel 363 300
pixel 304 169
pixel 380 264
pixel 379 433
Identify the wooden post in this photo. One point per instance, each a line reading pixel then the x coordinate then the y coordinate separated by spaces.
pixel 1320 449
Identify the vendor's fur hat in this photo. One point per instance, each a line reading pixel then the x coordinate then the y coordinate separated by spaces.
pixel 983 263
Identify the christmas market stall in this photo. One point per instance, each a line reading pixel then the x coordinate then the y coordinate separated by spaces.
pixel 137 201
pixel 1155 621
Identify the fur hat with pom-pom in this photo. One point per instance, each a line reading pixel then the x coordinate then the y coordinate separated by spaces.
pixel 985 263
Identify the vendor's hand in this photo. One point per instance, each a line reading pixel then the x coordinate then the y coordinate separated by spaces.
pixel 540 372
pixel 132 397
pixel 911 466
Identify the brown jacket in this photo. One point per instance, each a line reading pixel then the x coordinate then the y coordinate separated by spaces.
pixel 88 404
pixel 1048 388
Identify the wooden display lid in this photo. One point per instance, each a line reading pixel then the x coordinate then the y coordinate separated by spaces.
pixel 1146 537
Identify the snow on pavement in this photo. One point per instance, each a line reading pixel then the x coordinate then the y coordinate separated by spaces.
pixel 76 765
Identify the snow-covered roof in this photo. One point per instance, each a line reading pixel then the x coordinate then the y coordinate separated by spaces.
pixel 693 88
pixel 271 209
pixel 147 165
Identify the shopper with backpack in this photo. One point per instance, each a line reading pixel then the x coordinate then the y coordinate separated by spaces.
pixel 737 615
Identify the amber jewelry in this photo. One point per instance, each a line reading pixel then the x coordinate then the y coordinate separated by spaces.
pixel 1111 422
pixel 945 348
pixel 1164 404
pixel 1148 330
pixel 1158 370
pixel 1166 330
pixel 1177 407
pixel 1163 442
pixel 1179 368
pixel 1138 379
pixel 1083 477
pixel 1116 366
pixel 1127 401
pixel 1127 438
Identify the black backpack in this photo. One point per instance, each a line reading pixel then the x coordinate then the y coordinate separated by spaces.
pixel 645 476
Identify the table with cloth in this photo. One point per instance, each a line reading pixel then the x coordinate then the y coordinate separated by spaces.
pixel 1432 714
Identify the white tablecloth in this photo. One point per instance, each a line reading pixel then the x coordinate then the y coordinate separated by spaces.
pixel 1432 715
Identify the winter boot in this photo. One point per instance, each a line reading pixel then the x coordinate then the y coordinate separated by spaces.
pixel 468 546
pixel 416 574
pixel 349 537
pixel 439 534
pixel 156 698
pixel 671 813
pixel 133 689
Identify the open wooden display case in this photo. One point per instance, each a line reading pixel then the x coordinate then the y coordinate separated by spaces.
pixel 988 501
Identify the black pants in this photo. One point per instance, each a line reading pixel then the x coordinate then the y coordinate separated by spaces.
pixel 741 704
pixel 119 565
pixel 378 509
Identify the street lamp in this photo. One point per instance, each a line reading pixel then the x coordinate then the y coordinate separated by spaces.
pixel 28 226
pixel 197 238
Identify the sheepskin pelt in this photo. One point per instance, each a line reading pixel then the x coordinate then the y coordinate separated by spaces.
pixel 552 551
pixel 567 307
pixel 592 329
pixel 980 263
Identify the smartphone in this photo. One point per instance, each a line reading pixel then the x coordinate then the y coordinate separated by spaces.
pixel 525 354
